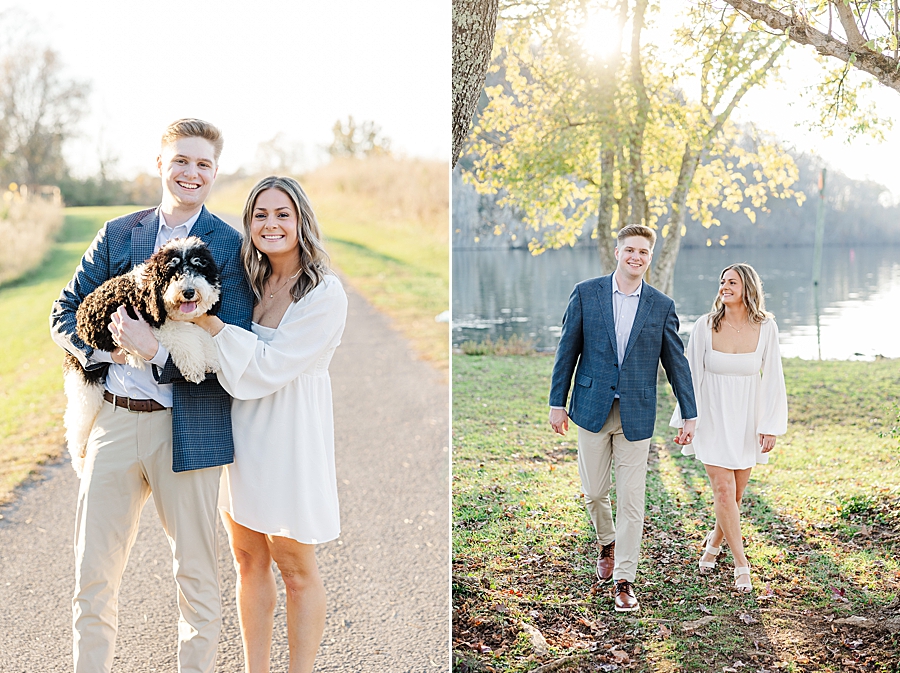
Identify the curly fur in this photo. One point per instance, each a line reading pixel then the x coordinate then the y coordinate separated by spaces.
pixel 179 282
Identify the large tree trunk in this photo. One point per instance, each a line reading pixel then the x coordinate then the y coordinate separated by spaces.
pixel 640 210
pixel 474 25
pixel 664 265
pixel 605 241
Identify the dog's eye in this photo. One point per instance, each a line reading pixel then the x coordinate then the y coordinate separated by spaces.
pixel 175 261
pixel 196 261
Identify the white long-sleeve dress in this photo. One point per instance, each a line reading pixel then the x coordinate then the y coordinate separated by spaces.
pixel 739 396
pixel 282 481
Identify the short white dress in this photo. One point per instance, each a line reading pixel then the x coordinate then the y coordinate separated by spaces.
pixel 282 481
pixel 739 396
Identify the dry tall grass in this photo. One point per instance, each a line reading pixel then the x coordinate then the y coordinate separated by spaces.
pixel 28 227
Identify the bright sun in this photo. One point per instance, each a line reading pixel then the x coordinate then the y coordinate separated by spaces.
pixel 600 35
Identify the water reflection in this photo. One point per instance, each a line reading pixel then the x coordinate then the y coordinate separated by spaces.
pixel 506 292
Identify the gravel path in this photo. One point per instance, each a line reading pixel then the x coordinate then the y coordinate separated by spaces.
pixel 387 578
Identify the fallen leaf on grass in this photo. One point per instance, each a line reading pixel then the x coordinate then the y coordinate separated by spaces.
pixel 704 609
pixel 620 656
pixel 536 638
pixel 856 621
pixel 747 618
pixel 664 631
pixel 839 594
pixel 696 624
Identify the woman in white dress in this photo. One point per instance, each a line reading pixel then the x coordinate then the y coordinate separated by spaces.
pixel 279 498
pixel 741 404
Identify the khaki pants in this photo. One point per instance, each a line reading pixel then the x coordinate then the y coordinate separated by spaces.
pixel 129 455
pixel 597 452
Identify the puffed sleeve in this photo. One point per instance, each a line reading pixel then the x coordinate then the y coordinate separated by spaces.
pixel 772 408
pixel 694 353
pixel 252 368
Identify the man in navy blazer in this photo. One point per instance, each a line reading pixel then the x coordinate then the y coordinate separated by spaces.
pixel 157 432
pixel 616 331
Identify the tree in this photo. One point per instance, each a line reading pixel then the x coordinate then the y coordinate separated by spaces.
pixel 40 110
pixel 282 156
pixel 474 25
pixel 570 137
pixel 865 35
pixel 363 140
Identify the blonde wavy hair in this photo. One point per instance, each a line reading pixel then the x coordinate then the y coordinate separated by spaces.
pixel 313 258
pixel 753 297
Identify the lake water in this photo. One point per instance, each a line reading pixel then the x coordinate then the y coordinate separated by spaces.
pixel 506 292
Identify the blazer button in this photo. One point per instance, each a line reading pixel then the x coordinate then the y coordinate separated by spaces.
pixel 612 387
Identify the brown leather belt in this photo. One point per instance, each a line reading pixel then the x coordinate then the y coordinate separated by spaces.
pixel 131 404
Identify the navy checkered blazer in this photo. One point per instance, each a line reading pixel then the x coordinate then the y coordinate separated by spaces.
pixel 201 412
pixel 588 339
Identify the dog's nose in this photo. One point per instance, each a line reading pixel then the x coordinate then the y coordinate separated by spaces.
pixel 188 293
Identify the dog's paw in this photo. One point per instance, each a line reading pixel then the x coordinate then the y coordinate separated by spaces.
pixel 193 375
pixel 135 361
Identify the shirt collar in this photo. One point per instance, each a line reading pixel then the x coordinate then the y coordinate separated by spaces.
pixel 615 286
pixel 187 225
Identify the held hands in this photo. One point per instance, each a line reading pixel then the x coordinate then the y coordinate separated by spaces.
pixel 767 442
pixel 134 336
pixel 686 434
pixel 559 420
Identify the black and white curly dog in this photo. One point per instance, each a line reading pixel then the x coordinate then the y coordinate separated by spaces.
pixel 179 282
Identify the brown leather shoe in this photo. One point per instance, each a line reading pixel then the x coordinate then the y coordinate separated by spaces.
pixel 606 562
pixel 624 597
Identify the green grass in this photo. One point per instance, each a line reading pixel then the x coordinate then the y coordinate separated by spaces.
pixel 821 524
pixel 401 273
pixel 31 398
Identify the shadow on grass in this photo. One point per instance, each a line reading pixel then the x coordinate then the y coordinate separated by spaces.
pixel 802 590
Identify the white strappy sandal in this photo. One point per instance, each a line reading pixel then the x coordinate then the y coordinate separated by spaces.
pixel 705 567
pixel 742 582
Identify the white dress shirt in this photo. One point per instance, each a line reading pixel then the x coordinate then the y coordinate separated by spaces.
pixel 140 384
pixel 625 308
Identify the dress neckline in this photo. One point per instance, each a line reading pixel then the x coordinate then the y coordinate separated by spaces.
pixel 753 352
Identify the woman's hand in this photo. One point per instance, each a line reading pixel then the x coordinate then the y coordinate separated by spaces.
pixel 686 434
pixel 767 442
pixel 210 323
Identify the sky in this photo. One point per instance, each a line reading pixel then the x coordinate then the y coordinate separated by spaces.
pixel 289 67
pixel 778 108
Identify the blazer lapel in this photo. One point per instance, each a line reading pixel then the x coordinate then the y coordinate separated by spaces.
pixel 644 306
pixel 204 226
pixel 143 238
pixel 604 291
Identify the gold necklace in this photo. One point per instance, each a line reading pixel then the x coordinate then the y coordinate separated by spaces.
pixel 733 327
pixel 272 294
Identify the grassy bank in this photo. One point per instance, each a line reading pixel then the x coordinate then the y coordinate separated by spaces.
pixel 386 226
pixel 31 397
pixel 821 522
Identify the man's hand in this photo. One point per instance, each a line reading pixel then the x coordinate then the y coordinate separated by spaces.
pixel 686 434
pixel 767 442
pixel 135 336
pixel 559 419
pixel 118 356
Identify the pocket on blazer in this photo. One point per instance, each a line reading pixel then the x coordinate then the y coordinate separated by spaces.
pixel 584 381
pixel 650 393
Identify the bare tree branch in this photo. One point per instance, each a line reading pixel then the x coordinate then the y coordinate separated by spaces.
pixel 883 68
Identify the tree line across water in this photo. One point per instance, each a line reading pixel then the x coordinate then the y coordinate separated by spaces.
pixel 856 212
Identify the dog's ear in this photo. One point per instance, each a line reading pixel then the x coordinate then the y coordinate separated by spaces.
pixel 154 306
pixel 214 309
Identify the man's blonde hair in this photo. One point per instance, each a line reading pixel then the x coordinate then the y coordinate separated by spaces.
pixel 194 128
pixel 636 230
